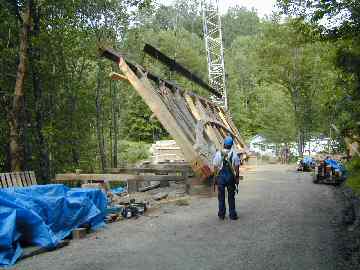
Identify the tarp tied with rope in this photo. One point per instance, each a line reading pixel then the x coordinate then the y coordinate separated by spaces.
pixel 197 125
pixel 43 215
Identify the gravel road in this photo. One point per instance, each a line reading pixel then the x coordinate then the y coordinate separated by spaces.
pixel 285 222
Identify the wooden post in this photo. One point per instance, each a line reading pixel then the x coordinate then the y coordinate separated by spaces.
pixel 187 182
pixel 79 233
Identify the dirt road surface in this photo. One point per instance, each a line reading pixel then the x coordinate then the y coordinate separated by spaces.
pixel 285 222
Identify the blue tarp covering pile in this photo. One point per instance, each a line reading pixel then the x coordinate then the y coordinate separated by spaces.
pixel 335 165
pixel 44 215
pixel 308 160
pixel 118 190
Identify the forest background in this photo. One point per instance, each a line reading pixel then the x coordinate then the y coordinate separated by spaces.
pixel 291 77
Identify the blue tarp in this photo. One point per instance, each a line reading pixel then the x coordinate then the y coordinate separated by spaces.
pixel 308 160
pixel 44 215
pixel 118 190
pixel 335 165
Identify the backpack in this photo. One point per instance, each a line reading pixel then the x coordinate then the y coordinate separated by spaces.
pixel 226 173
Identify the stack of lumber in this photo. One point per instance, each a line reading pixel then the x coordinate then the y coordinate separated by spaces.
pixel 17 179
pixel 134 176
pixel 166 151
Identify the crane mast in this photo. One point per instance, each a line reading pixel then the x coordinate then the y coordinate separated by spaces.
pixel 214 50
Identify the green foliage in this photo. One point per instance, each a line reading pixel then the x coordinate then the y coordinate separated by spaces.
pixel 343 17
pixel 132 152
pixel 185 14
pixel 353 181
pixel 284 78
pixel 343 30
pixel 276 125
pixel 279 82
pixel 183 46
pixel 138 125
pixel 186 48
pixel 67 40
pixel 239 22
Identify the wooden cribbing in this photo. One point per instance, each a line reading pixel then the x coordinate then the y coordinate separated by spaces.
pixel 197 125
pixel 17 179
pixel 115 177
pixel 153 168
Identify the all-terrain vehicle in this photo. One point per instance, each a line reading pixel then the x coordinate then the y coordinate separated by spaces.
pixel 329 172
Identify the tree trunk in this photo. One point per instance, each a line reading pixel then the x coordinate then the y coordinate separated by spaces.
pixel 75 152
pixel 116 133
pixel 99 128
pixel 301 142
pixel 17 115
pixel 41 145
pixel 111 126
pixel 72 101
pixel 115 110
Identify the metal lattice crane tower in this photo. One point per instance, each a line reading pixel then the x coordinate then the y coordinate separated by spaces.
pixel 214 49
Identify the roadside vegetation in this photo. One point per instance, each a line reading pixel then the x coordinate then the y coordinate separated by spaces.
pixel 353 180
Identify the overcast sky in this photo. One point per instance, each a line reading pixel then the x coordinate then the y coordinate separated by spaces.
pixel 264 7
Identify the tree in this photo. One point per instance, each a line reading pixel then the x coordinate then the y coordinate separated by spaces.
pixel 55 131
pixel 35 60
pixel 74 116
pixel 239 22
pixel 343 16
pixel 17 118
pixel 343 29
pixel 277 58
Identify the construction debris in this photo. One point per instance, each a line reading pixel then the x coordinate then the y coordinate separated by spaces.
pixel 160 196
pixel 78 233
pixel 197 124
pixel 113 218
pixel 151 187
pixel 330 172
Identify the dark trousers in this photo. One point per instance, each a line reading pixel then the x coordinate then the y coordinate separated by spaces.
pixel 231 200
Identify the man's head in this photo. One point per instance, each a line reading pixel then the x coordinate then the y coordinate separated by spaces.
pixel 228 142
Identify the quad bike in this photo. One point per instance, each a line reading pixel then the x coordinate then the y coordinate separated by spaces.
pixel 325 174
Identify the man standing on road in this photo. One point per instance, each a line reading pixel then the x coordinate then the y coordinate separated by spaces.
pixel 226 167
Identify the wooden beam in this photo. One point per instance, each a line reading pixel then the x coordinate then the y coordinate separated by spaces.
pixel 35 250
pixel 157 106
pixel 23 179
pixel 32 178
pixel 3 182
pixel 9 180
pixel 116 57
pixel 195 123
pixel 130 170
pixel 210 131
pixel 173 65
pixel 228 120
pixel 117 77
pixel 115 177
